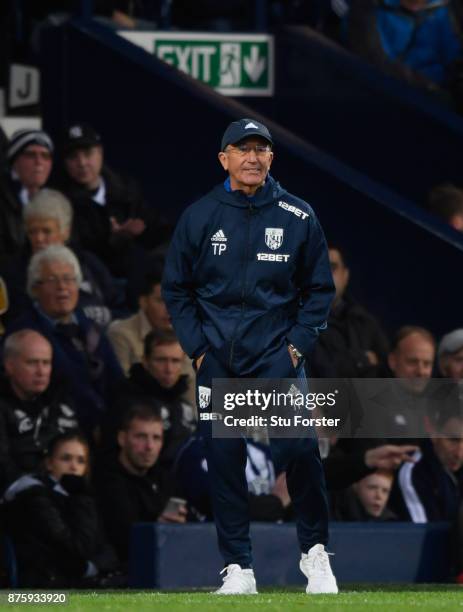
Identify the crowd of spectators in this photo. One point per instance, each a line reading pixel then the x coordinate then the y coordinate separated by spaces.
pixel 97 405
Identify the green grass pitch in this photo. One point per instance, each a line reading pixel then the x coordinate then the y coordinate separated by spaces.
pixel 392 598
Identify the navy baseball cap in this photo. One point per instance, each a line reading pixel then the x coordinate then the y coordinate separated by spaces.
pixel 237 130
pixel 80 136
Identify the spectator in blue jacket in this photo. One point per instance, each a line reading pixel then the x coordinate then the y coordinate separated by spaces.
pixel 417 40
pixel 82 354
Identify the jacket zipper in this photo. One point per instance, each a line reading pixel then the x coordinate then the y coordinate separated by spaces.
pixel 243 283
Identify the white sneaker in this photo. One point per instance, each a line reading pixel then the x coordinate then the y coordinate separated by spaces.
pixel 316 566
pixel 237 581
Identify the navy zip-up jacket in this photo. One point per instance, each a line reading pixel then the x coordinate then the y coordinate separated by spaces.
pixel 245 276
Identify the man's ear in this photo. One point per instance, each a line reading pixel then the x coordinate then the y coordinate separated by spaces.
pixel 7 366
pixel 121 438
pixel 223 159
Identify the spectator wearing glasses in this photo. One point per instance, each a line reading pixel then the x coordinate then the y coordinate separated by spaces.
pixel 29 157
pixel 47 221
pixel 82 355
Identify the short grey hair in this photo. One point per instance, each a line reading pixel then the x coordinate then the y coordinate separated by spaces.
pixel 55 252
pixel 50 204
pixel 13 344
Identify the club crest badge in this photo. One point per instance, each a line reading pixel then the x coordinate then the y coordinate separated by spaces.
pixel 274 237
pixel 204 396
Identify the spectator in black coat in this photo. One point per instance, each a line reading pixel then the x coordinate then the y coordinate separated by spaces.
pixel 111 218
pixel 53 521
pixel 132 488
pixel 33 410
pixel 354 344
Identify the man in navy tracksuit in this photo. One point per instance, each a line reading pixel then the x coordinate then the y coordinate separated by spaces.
pixel 248 286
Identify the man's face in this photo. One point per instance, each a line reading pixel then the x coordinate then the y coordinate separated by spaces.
pixel 340 273
pixel 141 444
pixel 247 170
pixel 43 232
pixel 373 492
pixel 412 360
pixel 451 365
pixel 165 364
pixel 29 370
pixel 33 166
pixel 57 292
pixel 84 166
pixel 449 450
pixel 155 309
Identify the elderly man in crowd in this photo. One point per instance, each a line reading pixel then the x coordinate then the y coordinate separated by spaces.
pixel 30 162
pixel 81 352
pixel 33 408
pixel 48 221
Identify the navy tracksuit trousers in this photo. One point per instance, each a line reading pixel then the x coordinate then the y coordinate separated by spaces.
pixel 226 459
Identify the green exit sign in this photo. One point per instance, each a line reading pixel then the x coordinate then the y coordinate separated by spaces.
pixel 233 64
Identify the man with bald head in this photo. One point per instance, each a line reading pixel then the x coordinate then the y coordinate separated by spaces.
pixel 411 361
pixel 33 409
pixel 412 357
